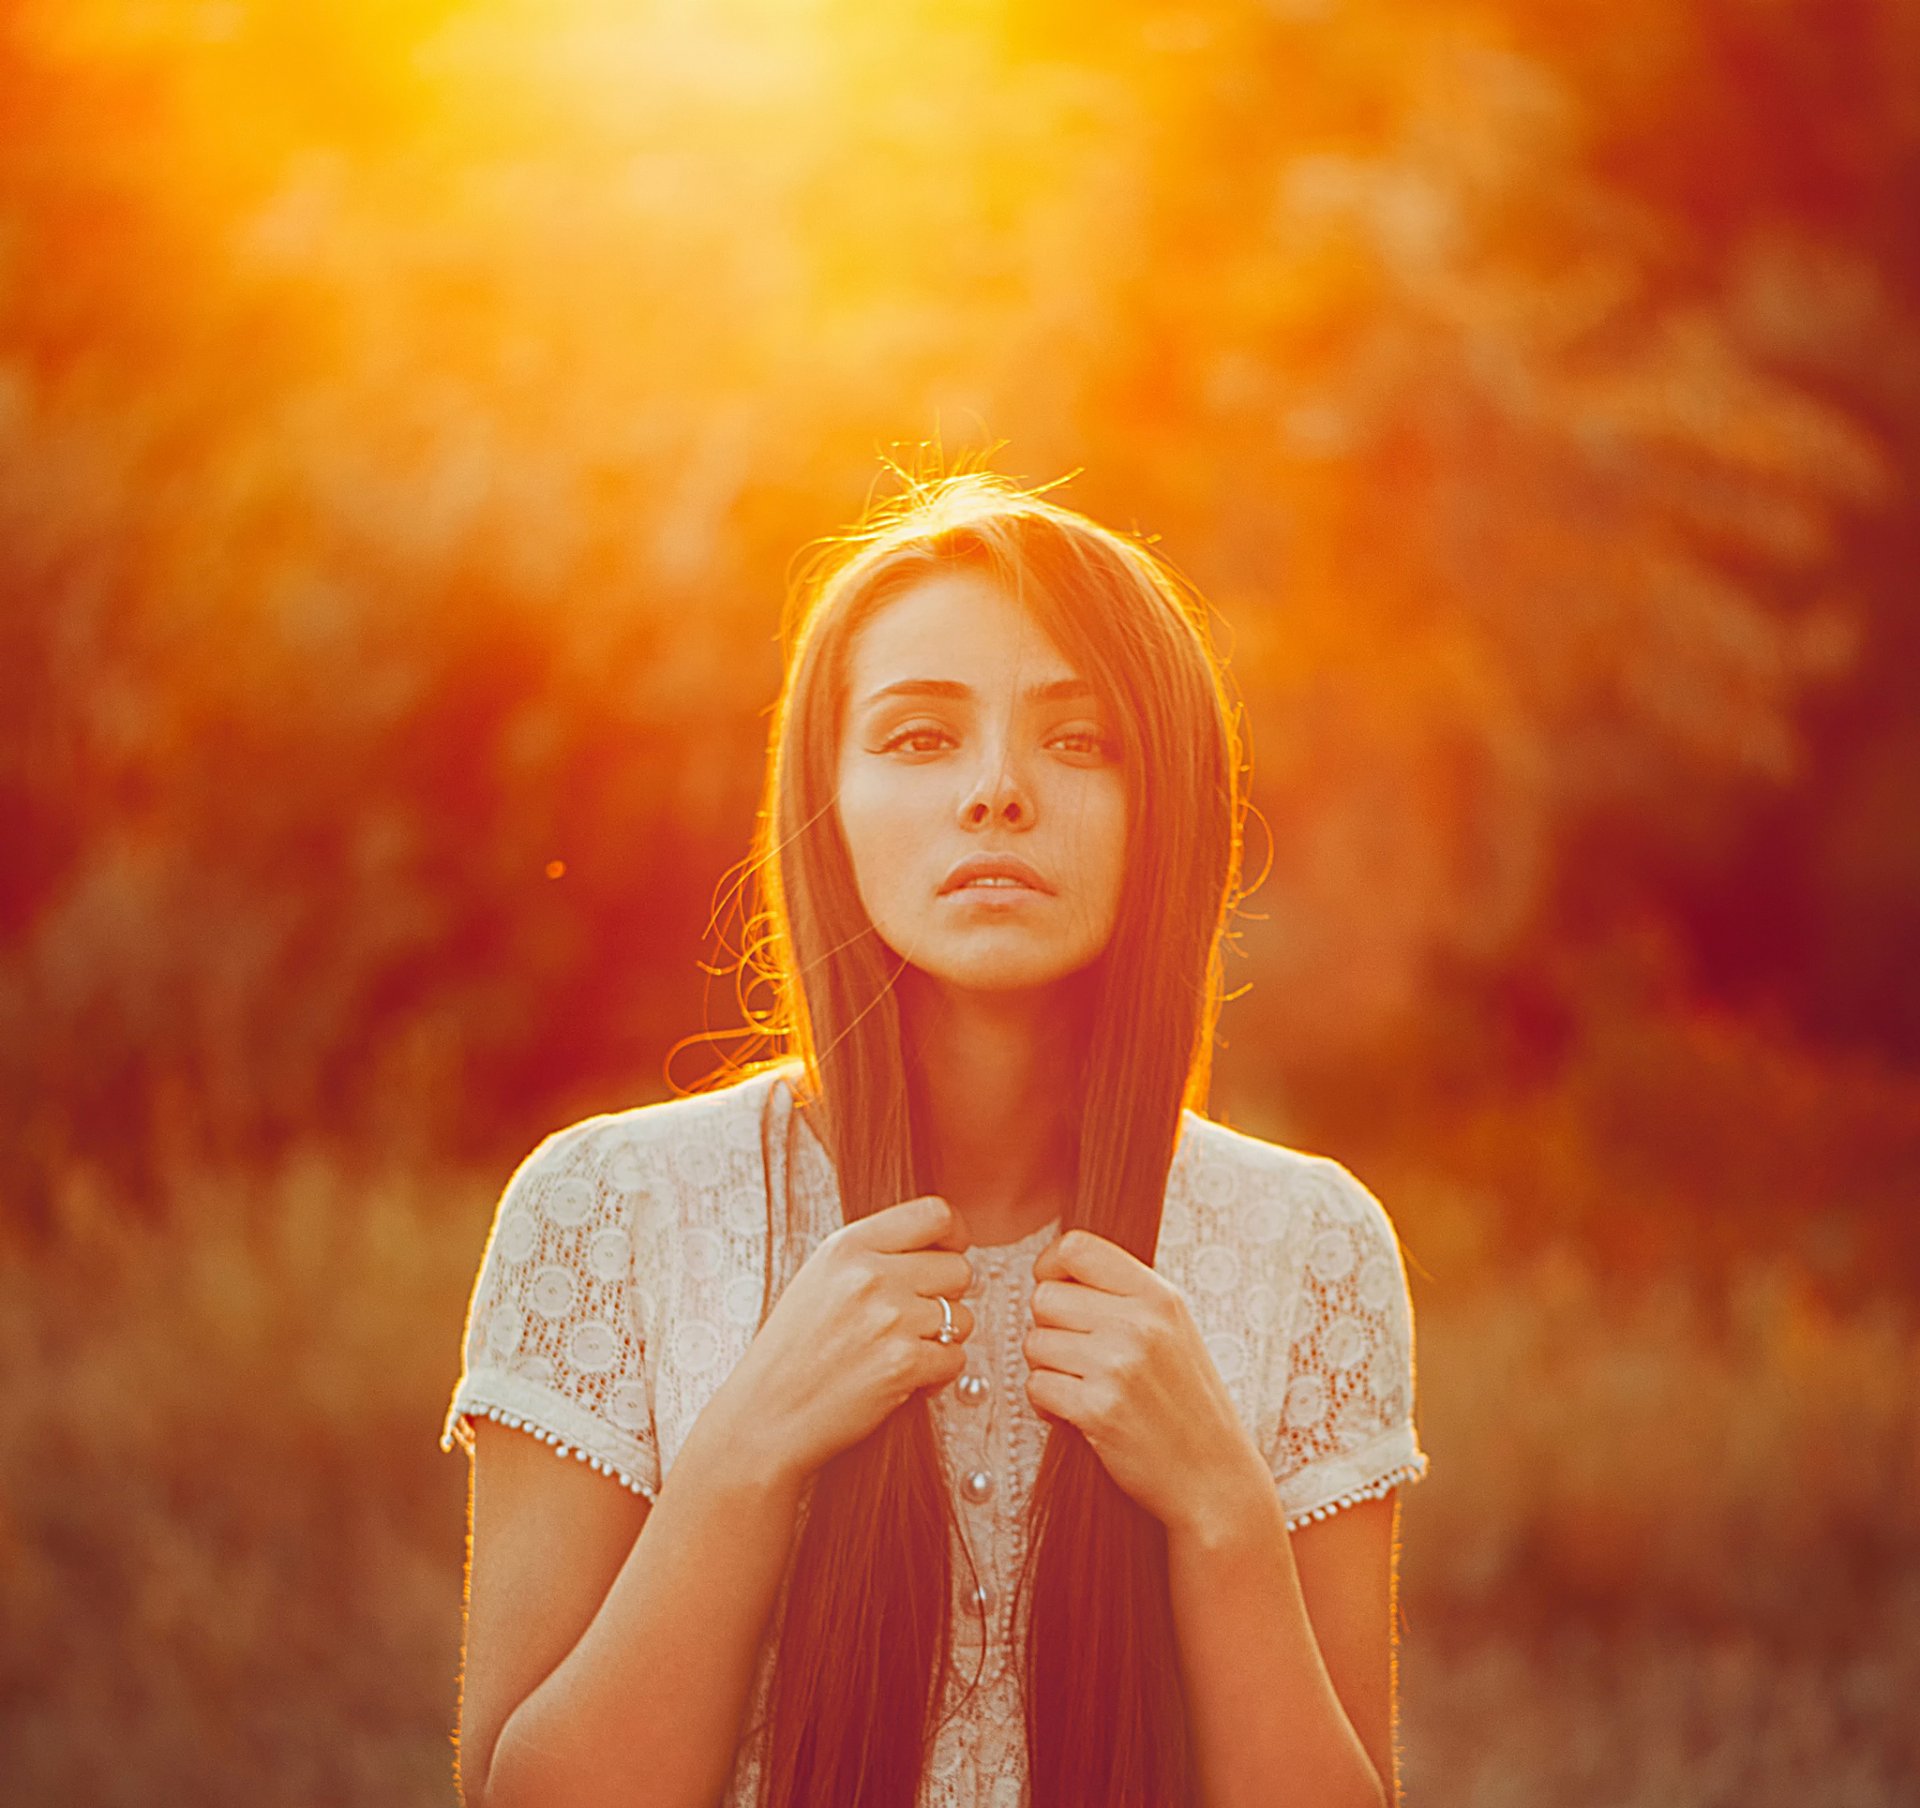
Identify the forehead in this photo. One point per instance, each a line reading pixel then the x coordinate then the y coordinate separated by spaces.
pixel 957 625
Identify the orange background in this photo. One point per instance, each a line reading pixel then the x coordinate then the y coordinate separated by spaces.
pixel 410 417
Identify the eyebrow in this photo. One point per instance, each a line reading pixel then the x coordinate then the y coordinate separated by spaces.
pixel 1054 690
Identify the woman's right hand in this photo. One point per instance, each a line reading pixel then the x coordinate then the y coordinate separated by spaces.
pixel 853 1335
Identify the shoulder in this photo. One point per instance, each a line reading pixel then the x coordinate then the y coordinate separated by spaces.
pixel 1312 1215
pixel 689 1139
pixel 1268 1192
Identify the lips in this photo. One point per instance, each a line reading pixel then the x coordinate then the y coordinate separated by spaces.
pixel 994 866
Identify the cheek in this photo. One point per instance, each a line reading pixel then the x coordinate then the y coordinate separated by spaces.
pixel 1091 817
pixel 878 820
pixel 873 805
pixel 1104 833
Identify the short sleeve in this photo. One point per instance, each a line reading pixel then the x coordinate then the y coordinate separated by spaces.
pixel 1340 1406
pixel 555 1344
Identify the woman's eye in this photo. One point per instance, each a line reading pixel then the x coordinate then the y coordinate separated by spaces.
pixel 907 735
pixel 926 739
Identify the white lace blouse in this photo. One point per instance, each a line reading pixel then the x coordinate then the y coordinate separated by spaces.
pixel 621 1281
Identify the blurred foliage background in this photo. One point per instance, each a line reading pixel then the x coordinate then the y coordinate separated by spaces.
pixel 410 418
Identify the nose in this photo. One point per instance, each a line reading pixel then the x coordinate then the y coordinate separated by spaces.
pixel 999 794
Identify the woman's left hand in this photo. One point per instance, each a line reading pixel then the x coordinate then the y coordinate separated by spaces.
pixel 1114 1351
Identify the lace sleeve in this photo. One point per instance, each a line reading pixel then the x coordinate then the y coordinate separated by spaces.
pixel 555 1342
pixel 1341 1408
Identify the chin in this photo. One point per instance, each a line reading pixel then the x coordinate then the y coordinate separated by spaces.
pixel 1008 971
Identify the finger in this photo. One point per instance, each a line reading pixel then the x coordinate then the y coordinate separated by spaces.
pixel 1055 1396
pixel 1067 1352
pixel 912 1224
pixel 1081 1255
pixel 963 1320
pixel 937 1364
pixel 937 1271
pixel 1072 1305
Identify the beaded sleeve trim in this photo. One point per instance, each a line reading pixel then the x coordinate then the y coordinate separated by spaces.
pixel 512 1400
pixel 1323 1488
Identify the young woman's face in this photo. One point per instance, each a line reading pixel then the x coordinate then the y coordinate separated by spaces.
pixel 967 735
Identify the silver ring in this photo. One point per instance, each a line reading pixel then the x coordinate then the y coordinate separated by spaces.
pixel 948 1332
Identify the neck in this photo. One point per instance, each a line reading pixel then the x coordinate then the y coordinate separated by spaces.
pixel 998 1103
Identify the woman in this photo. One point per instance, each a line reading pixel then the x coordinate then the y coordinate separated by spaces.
pixel 1002 1428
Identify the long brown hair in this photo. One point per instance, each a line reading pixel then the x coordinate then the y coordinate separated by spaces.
pixel 862 1640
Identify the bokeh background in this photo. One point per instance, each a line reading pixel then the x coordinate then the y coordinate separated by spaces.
pixel 411 415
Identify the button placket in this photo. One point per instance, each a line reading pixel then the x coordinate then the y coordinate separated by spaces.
pixel 976 1388
pixel 988 1433
pixel 975 1420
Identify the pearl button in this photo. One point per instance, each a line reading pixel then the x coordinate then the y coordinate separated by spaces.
pixel 983 1596
pixel 972 1389
pixel 978 1486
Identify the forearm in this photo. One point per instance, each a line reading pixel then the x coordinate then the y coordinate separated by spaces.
pixel 1267 1724
pixel 649 1706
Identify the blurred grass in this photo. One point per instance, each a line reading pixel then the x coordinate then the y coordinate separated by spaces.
pixel 1669 1552
pixel 1670 1549
pixel 232 1548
